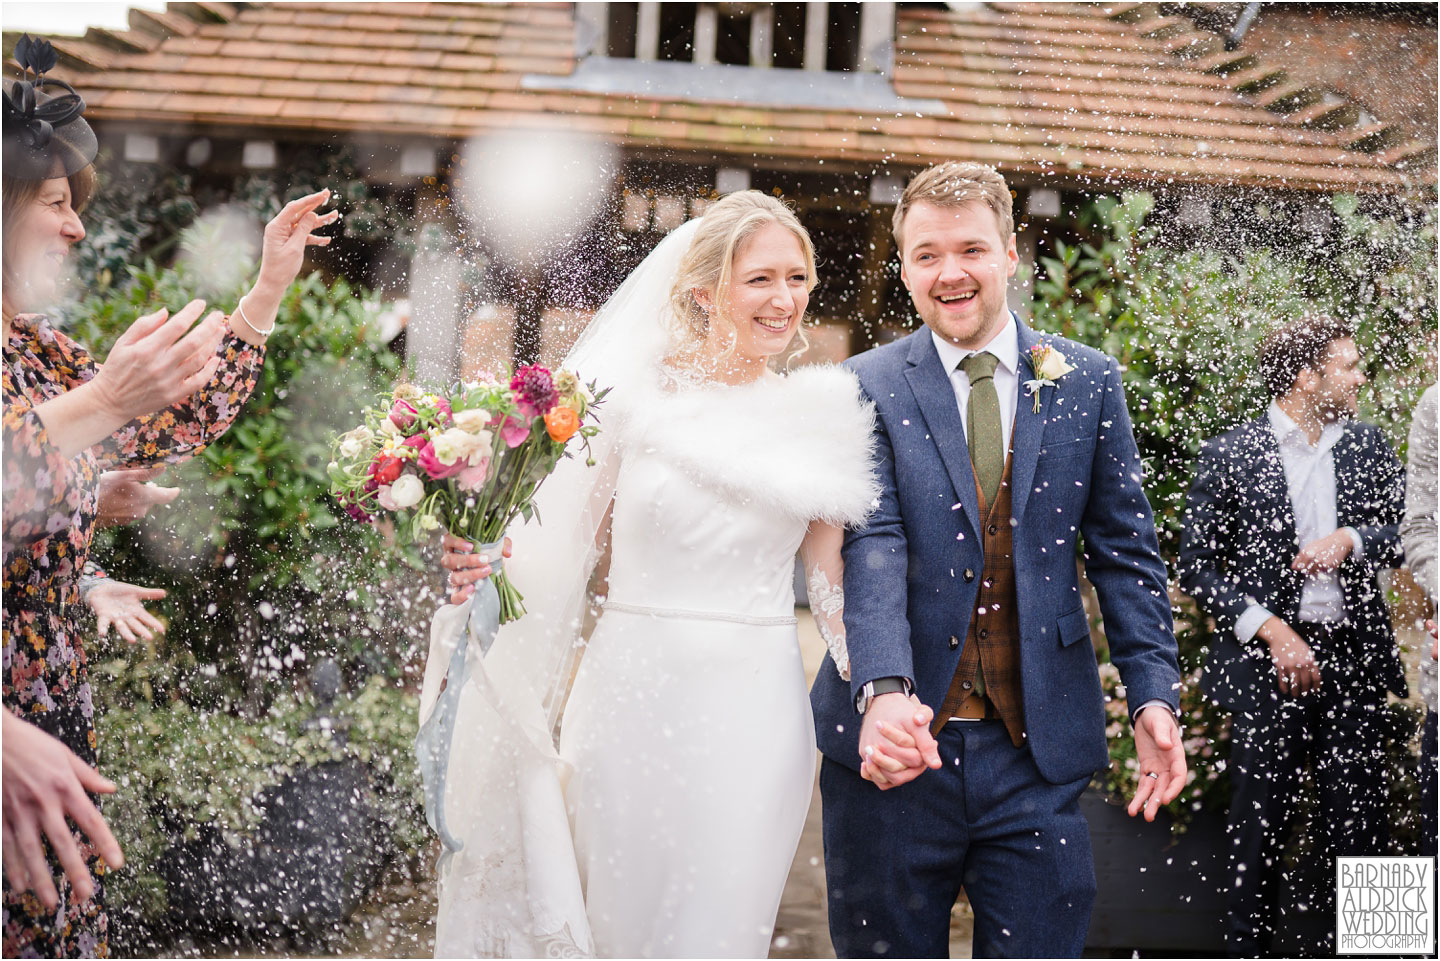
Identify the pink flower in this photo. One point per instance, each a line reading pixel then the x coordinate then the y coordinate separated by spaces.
pixel 402 414
pixel 473 478
pixel 383 498
pixel 443 406
pixel 514 431
pixel 534 391
pixel 432 465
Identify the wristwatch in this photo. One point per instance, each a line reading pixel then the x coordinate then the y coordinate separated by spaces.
pixel 881 685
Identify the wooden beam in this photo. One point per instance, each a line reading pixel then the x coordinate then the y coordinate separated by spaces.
pixel 817 34
pixel 762 36
pixel 592 29
pixel 879 244
pixel 647 32
pixel 877 37
pixel 707 28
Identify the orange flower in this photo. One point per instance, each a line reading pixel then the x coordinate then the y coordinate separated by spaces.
pixel 561 423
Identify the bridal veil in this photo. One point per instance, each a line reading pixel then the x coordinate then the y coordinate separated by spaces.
pixel 512 889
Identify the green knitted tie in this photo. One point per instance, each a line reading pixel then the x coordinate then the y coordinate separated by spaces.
pixel 982 425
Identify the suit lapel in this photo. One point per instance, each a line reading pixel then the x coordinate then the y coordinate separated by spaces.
pixel 1272 492
pixel 1347 467
pixel 1029 427
pixel 935 396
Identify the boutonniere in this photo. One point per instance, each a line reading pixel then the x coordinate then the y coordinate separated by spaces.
pixel 1050 365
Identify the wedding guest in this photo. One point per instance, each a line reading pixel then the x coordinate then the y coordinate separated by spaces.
pixel 1289 519
pixel 165 392
pixel 1417 530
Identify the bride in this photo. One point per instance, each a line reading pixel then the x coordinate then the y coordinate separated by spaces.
pixel 666 822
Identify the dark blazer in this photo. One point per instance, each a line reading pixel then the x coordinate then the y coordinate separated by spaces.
pixel 911 575
pixel 1239 539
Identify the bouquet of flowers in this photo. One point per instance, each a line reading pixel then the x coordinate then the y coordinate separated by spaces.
pixel 469 461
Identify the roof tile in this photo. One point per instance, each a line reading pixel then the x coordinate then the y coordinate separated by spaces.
pixel 1072 89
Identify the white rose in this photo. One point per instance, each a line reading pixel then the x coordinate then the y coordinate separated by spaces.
pixel 1053 366
pixel 407 491
pixel 473 420
pixel 353 443
pixel 484 444
pixel 453 444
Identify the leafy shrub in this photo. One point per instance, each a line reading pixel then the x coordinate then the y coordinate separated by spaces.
pixel 265 576
pixel 185 768
pixel 264 571
pixel 1184 325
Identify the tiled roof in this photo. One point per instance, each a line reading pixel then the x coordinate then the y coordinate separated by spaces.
pixel 1089 92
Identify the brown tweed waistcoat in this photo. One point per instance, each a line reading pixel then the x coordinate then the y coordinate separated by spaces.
pixel 993 641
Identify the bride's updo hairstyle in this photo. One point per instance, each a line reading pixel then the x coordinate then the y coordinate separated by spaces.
pixel 728 223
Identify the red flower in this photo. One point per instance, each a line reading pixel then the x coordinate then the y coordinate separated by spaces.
pixel 385 468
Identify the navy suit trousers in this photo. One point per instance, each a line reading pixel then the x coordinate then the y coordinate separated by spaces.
pixel 895 860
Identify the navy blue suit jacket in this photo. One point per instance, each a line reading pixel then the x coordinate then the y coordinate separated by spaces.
pixel 1240 538
pixel 911 575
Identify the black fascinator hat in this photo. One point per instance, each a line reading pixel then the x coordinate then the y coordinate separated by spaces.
pixel 43 128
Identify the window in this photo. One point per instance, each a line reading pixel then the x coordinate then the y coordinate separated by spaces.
pixel 832 37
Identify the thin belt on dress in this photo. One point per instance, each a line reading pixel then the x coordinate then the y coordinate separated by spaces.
pixel 777 620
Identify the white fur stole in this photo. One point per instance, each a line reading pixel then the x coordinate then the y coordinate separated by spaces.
pixel 803 443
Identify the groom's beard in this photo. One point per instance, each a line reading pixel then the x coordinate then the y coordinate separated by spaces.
pixel 969 332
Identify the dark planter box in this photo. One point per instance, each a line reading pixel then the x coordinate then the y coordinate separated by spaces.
pixel 1157 891
pixel 318 852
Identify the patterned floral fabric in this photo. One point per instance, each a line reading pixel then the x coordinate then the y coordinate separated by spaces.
pixel 49 514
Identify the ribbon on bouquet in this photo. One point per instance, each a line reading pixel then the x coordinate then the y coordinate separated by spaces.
pixel 432 743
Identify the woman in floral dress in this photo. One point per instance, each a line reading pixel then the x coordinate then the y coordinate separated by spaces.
pixel 166 391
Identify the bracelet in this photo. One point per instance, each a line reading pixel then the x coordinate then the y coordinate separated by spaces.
pixel 240 309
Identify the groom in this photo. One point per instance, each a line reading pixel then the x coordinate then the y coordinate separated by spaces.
pixel 973 718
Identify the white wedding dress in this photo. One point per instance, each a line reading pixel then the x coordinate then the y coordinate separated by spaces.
pixel 665 820
pixel 689 727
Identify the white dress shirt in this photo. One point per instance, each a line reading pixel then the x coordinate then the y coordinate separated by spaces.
pixel 1310 479
pixel 1005 345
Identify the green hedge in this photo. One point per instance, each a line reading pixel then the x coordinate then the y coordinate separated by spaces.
pixel 265 576
pixel 1184 325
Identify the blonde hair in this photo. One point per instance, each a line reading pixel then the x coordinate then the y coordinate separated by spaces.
pixel 728 223
pixel 954 184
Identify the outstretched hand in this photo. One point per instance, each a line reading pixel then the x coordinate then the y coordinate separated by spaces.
pixel 121 604
pixel 1161 755
pixel 896 745
pixel 43 784
pixel 125 496
pixel 287 235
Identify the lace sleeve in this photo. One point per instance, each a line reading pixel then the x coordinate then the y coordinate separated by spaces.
pixel 824 580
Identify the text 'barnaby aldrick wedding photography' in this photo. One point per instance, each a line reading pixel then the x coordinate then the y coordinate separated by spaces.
pixel 1385 905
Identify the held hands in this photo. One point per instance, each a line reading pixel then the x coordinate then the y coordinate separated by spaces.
pixel 118 603
pixel 1161 754
pixel 160 360
pixel 1324 555
pixel 125 496
pixel 895 741
pixel 44 783
pixel 1294 661
pixel 465 566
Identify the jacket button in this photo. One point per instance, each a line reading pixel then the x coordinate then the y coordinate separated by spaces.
pixel 966 685
pixel 994 530
pixel 983 633
pixel 954 642
pixel 969 575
